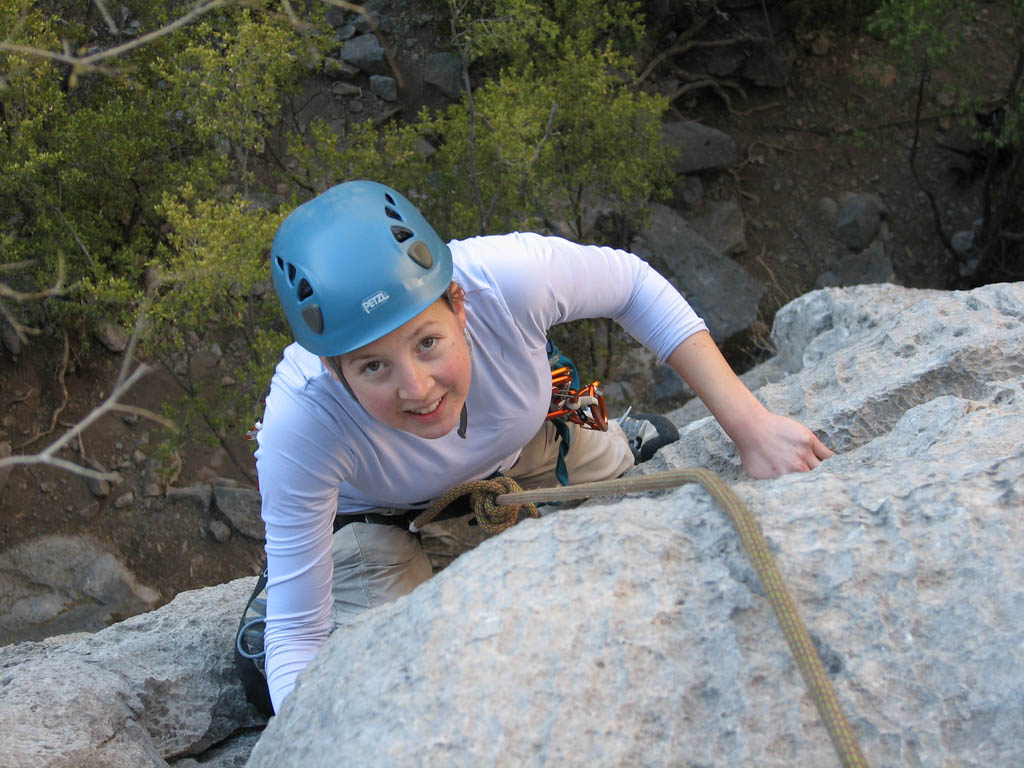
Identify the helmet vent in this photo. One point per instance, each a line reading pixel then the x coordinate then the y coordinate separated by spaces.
pixel 280 263
pixel 291 273
pixel 305 289
pixel 389 198
pixel 420 253
pixel 401 233
pixel 314 318
pixel 392 213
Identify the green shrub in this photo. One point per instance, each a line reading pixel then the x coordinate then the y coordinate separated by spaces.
pixel 144 178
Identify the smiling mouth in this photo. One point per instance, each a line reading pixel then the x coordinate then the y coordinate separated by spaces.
pixel 429 409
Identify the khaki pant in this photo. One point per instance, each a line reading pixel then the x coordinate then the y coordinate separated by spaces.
pixel 377 563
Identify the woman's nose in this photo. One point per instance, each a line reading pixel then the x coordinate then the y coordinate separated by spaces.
pixel 415 382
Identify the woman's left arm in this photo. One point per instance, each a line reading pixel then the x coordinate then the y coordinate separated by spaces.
pixel 770 445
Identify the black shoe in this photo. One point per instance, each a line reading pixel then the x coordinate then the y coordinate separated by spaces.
pixel 249 653
pixel 647 432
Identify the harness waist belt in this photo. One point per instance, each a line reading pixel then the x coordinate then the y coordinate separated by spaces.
pixel 399 521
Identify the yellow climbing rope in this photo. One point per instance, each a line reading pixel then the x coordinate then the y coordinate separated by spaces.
pixel 499 503
pixel 493 516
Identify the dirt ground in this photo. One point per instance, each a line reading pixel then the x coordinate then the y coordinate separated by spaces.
pixel 826 134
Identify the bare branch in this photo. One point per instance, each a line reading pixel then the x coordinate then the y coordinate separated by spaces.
pixel 716 84
pixel 915 144
pixel 146 414
pixel 14 266
pixel 111 25
pixel 688 43
pixel 57 289
pixel 84 65
pixel 90 63
pixel 21 331
pixel 141 321
pixel 59 463
pixel 112 403
pixel 74 234
pixel 467 86
pixel 64 396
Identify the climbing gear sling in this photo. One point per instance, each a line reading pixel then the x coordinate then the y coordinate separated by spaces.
pixel 499 504
pixel 570 402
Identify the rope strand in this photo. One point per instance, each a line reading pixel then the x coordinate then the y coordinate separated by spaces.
pixel 498 504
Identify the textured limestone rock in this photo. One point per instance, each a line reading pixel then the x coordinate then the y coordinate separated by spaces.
pixel 878 351
pixel 636 632
pixel 56 583
pixel 157 686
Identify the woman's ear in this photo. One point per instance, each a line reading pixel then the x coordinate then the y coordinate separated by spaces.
pixel 460 313
pixel 456 297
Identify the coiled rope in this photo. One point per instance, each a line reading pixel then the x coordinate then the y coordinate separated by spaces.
pixel 498 504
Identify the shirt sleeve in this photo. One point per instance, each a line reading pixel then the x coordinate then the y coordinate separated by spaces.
pixel 299 478
pixel 550 280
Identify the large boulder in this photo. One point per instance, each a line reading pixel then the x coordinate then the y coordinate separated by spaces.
pixel 59 583
pixel 635 631
pixel 720 290
pixel 157 686
pixel 700 147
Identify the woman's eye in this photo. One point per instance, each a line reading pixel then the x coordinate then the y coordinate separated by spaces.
pixel 372 367
pixel 428 343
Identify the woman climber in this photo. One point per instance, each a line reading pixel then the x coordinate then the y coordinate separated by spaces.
pixel 420 365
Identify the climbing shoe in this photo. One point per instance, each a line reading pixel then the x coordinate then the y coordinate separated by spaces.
pixel 646 432
pixel 249 652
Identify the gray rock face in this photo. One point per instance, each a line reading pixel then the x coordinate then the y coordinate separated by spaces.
pixel 721 224
pixel 822 322
pixel 366 53
pixel 242 507
pixel 444 70
pixel 113 337
pixel 55 582
pixel 157 686
pixel 385 87
pixel 872 265
pixel 858 220
pixel 770 64
pixel 702 148
pixel 636 632
pixel 721 291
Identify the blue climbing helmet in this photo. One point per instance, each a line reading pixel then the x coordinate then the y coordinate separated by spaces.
pixel 353 264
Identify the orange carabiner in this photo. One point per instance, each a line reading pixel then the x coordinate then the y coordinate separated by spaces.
pixel 566 403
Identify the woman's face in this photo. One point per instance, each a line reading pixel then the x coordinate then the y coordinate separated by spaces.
pixel 415 378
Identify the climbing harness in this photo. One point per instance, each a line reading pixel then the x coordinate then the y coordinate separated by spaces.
pixel 499 503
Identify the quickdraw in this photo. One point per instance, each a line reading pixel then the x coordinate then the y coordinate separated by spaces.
pixel 258 423
pixel 585 406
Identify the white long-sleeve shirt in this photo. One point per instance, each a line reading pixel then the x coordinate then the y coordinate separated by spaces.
pixel 321 454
